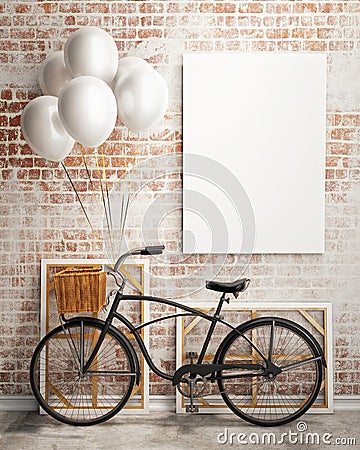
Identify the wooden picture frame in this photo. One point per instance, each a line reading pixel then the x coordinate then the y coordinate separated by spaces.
pixel 316 317
pixel 137 271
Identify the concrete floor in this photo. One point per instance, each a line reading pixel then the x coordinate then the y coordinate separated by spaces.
pixel 167 430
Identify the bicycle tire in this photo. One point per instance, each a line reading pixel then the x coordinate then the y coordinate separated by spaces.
pixel 75 400
pixel 258 399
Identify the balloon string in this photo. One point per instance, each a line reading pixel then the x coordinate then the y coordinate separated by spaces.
pixel 108 201
pixel 132 170
pixel 106 187
pixel 128 185
pixel 122 218
pixel 134 161
pixel 104 204
pixel 124 204
pixel 86 167
pixel 122 210
pixel 92 186
pixel 78 197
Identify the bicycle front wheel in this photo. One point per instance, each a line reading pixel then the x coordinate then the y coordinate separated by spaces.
pixel 270 400
pixel 82 400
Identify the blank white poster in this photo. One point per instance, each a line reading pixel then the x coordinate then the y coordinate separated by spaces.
pixel 254 152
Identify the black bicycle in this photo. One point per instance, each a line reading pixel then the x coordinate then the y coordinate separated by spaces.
pixel 268 370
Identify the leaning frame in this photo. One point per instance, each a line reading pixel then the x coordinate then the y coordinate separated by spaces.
pixel 215 404
pixel 139 402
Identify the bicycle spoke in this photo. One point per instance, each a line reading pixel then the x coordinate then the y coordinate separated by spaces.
pixel 271 343
pixel 299 363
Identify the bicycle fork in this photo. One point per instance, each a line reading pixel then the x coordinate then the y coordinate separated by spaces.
pixel 78 352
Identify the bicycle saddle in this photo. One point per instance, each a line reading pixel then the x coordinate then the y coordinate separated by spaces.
pixel 233 287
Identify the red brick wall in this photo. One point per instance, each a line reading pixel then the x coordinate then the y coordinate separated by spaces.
pixel 40 217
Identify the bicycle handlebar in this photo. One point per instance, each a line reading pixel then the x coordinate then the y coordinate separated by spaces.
pixel 152 250
pixel 149 250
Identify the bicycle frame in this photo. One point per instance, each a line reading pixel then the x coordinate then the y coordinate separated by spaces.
pixel 214 319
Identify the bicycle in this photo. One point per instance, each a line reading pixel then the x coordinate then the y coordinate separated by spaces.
pixel 92 368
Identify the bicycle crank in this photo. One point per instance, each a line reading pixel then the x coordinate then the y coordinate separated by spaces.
pixel 191 386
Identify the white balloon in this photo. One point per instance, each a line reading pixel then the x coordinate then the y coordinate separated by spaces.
pixel 142 98
pixel 87 108
pixel 91 51
pixel 43 130
pixel 53 74
pixel 127 64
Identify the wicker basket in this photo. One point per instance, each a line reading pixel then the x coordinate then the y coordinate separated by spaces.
pixel 80 290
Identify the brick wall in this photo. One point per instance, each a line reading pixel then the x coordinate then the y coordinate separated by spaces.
pixel 40 217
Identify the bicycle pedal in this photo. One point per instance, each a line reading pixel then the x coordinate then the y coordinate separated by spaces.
pixel 191 355
pixel 192 409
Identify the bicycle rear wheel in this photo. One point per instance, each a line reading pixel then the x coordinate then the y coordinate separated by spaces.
pixel 271 400
pixel 58 386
